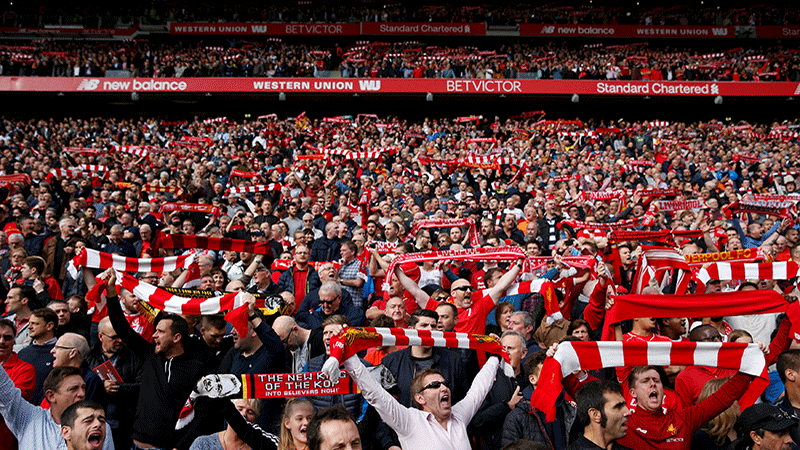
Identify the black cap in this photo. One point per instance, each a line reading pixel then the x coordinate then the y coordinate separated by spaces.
pixel 767 417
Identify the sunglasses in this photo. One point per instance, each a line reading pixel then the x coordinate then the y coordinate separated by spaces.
pixel 464 288
pixel 327 302
pixel 436 385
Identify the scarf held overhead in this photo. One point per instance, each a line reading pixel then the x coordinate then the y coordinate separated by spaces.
pixel 778 270
pixel 571 356
pixel 353 340
pixel 474 239
pixel 93 259
pixel 172 241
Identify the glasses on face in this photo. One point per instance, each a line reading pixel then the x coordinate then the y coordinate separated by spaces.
pixel 329 302
pixel 61 347
pixel 436 385
pixel 286 339
pixel 112 337
pixel 464 288
pixel 442 298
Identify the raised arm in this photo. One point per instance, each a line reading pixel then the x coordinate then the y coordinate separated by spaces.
pixel 413 288
pixel 496 292
pixel 391 411
pixel 139 345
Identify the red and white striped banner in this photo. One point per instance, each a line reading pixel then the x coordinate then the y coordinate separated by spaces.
pixel 782 270
pixel 659 259
pixel 572 356
pixel 216 120
pixel 678 205
pixel 100 260
pixel 172 241
pixel 352 340
pixel 255 188
pixel 131 149
pixel 72 173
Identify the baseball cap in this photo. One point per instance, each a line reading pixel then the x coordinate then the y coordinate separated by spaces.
pixel 767 417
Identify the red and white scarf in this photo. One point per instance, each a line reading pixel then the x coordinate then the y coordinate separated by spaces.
pixel 163 189
pixel 6 180
pixel 383 247
pixel 571 356
pixel 717 304
pixel 131 149
pixel 72 173
pixel 471 254
pixel 353 340
pixel 100 260
pixel 84 150
pixel 660 259
pixel 784 209
pixel 163 300
pixel 782 270
pixel 171 241
pixel 644 221
pixel 663 236
pixel 474 239
pixel 256 188
pixel 190 207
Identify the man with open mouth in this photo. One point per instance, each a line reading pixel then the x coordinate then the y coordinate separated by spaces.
pixel 83 426
pixel 436 424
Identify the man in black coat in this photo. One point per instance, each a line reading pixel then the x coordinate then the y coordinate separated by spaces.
pixel 122 396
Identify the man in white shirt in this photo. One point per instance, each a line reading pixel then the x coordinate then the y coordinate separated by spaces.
pixel 436 425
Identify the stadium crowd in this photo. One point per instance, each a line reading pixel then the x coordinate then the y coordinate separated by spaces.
pixel 501 13
pixel 408 59
pixel 551 235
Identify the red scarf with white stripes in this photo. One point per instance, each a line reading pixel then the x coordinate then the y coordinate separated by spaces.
pixel 211 243
pixel 232 302
pixel 474 239
pixel 780 270
pixel 353 340
pixel 571 356
pixel 255 188
pixel 472 254
pixel 100 260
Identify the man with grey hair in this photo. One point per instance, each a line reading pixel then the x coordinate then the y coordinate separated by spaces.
pixel 60 249
pixel 505 394
pixel 145 217
pixel 327 248
pixel 71 350
pixel 308 224
pixel 330 303
pixel 522 322
pixel 117 244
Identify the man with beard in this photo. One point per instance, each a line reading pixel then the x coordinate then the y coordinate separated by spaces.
pixel 604 415
pixel 83 426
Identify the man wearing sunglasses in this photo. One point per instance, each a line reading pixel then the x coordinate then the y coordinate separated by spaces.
pixel 435 423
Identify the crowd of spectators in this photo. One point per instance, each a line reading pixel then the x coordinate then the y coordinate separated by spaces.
pixel 501 13
pixel 407 59
pixel 72 185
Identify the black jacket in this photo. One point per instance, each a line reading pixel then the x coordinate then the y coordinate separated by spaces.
pixel 488 421
pixel 166 384
pixel 445 360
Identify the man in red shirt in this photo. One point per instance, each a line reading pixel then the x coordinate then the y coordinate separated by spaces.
pixel 652 427
pixel 21 373
pixel 473 306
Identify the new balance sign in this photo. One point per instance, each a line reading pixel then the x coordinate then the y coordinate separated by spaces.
pixel 88 84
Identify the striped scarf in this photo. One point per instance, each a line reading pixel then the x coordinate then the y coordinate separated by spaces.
pixel 255 188
pixel 644 221
pixel 474 239
pixel 172 241
pixel 190 207
pixel 571 356
pixel 353 340
pixel 93 259
pixel 783 270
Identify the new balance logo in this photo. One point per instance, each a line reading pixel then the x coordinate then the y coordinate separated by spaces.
pixel 258 28
pixel 715 89
pixel 88 84
pixel 641 431
pixel 369 85
pixel 548 30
